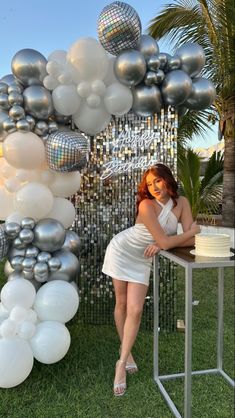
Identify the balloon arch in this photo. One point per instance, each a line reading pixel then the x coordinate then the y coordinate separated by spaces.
pixel 49 111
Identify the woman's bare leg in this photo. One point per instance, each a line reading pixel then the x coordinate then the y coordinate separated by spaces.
pixel 120 288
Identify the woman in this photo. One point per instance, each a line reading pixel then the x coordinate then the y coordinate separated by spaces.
pixel 129 255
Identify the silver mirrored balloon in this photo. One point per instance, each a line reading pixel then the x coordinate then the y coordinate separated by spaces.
pixel 119 27
pixel 54 264
pixel 68 269
pixel 41 272
pixel 49 235
pixel 38 102
pixel 16 112
pixel 3 87
pixel 3 116
pixel 66 151
pixel 43 257
pixel 15 98
pixel 176 87
pixel 31 121
pixel 163 58
pixel 41 128
pixel 72 242
pixel 31 252
pixel 13 252
pixel 22 125
pixel 26 236
pixel 29 66
pixel 160 75
pixel 17 243
pixel 11 80
pixel 130 67
pixel 16 262
pixel 173 63
pixel 4 104
pixel 153 62
pixel 4 242
pixel 12 229
pixel 192 58
pixel 148 46
pixel 28 274
pixel 146 100
pixel 9 125
pixel 15 88
pixel 28 263
pixel 28 223
pixel 52 127
pixel 202 95
pixel 150 78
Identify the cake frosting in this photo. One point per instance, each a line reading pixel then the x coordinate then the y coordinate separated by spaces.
pixel 212 245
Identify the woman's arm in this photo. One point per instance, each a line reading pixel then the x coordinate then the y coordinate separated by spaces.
pixel 186 220
pixel 148 217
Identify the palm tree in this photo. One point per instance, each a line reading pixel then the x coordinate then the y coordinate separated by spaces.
pixel 204 194
pixel 211 24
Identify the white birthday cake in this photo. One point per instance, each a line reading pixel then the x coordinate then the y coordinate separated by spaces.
pixel 212 245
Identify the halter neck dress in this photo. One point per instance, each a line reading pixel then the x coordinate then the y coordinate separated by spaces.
pixel 124 258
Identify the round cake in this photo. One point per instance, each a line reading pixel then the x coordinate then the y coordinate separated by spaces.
pixel 212 245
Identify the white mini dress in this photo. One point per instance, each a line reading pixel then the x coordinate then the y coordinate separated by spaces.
pixel 124 256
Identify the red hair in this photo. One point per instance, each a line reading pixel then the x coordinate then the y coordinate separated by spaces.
pixel 163 172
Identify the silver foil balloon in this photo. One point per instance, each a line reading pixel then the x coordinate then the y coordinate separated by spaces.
pixel 163 58
pixel 31 121
pixel 43 257
pixel 26 236
pixel 27 223
pixel 146 100
pixel 160 75
pixel 68 269
pixel 9 125
pixel 12 229
pixel 72 242
pixel 13 252
pixel 38 102
pixel 176 87
pixel 4 104
pixel 11 80
pixel 66 151
pixel 28 263
pixel 3 87
pixel 15 88
pixel 31 252
pixel 3 117
pixel 150 78
pixel 119 27
pixel 29 66
pixel 202 95
pixel 148 46
pixel 28 274
pixel 49 235
pixel 153 62
pixel 54 264
pixel 16 262
pixel 41 128
pixel 52 127
pixel 173 63
pixel 192 58
pixel 23 125
pixel 16 112
pixel 4 242
pixel 130 67
pixel 17 243
pixel 41 271
pixel 15 98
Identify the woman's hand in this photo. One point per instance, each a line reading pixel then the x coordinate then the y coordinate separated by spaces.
pixel 196 229
pixel 151 250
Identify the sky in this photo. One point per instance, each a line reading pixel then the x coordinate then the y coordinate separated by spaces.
pixel 49 25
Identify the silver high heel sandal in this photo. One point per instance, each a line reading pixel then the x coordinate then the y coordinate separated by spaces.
pixel 131 368
pixel 119 388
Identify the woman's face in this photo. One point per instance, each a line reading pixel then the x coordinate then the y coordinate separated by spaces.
pixel 156 187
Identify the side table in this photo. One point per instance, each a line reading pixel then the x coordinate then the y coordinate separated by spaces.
pixel 184 258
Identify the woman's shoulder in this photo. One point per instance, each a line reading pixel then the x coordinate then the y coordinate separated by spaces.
pixel 146 203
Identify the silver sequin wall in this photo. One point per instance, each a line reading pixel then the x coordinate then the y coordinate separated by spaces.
pixel 105 207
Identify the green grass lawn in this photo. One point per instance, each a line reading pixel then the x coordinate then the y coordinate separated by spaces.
pixel 81 384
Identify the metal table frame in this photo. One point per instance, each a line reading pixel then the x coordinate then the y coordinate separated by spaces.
pixel 183 257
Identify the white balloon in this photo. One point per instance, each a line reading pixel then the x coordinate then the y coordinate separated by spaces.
pixel 84 89
pixel 93 100
pixel 66 100
pixel 8 328
pixel 6 203
pixel 91 121
pixel 32 316
pixel 118 99
pixel 6 169
pixel 18 292
pixel 50 82
pixel 26 330
pixel 4 313
pixel 59 56
pixel 56 301
pixel 65 78
pixel 98 87
pixel 34 200
pixel 50 342
pixel 87 60
pixel 24 150
pixel 14 217
pixel 65 184
pixel 53 68
pixel 12 184
pixel 63 210
pixel 18 313
pixel 16 361
pixel 110 76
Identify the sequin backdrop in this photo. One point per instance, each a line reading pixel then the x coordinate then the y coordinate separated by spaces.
pixel 105 207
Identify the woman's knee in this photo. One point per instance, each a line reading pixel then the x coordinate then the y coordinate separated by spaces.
pixel 121 304
pixel 134 311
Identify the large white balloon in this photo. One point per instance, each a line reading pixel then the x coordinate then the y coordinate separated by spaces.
pixel 92 121
pixel 56 301
pixel 34 200
pixel 6 203
pixel 24 150
pixel 18 292
pixel 110 76
pixel 50 342
pixel 87 60
pixel 65 184
pixel 62 210
pixel 66 100
pixel 14 217
pixel 6 169
pixel 118 99
pixel 16 361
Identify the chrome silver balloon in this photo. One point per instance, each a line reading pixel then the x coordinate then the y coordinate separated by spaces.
pixel 119 27
pixel 163 58
pixel 16 262
pixel 52 127
pixel 38 102
pixel 41 271
pixel 15 88
pixel 17 112
pixel 27 223
pixel 153 62
pixel 130 67
pixel 202 95
pixel 28 263
pixel 15 98
pixel 4 242
pixel 66 151
pixel 49 235
pixel 31 252
pixel 44 257
pixel 9 125
pixel 3 88
pixel 31 121
pixel 148 46
pixel 26 236
pixel 13 252
pixel 160 75
pixel 192 58
pixel 17 243
pixel 3 116
pixel 72 242
pixel 150 78
pixel 11 80
pixel 28 274
pixel 173 63
pixel 41 128
pixel 68 269
pixel 12 229
pixel 4 105
pixel 54 264
pixel 29 66
pixel 146 100
pixel 176 87
pixel 23 125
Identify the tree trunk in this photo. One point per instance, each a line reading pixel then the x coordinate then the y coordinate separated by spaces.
pixel 228 203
